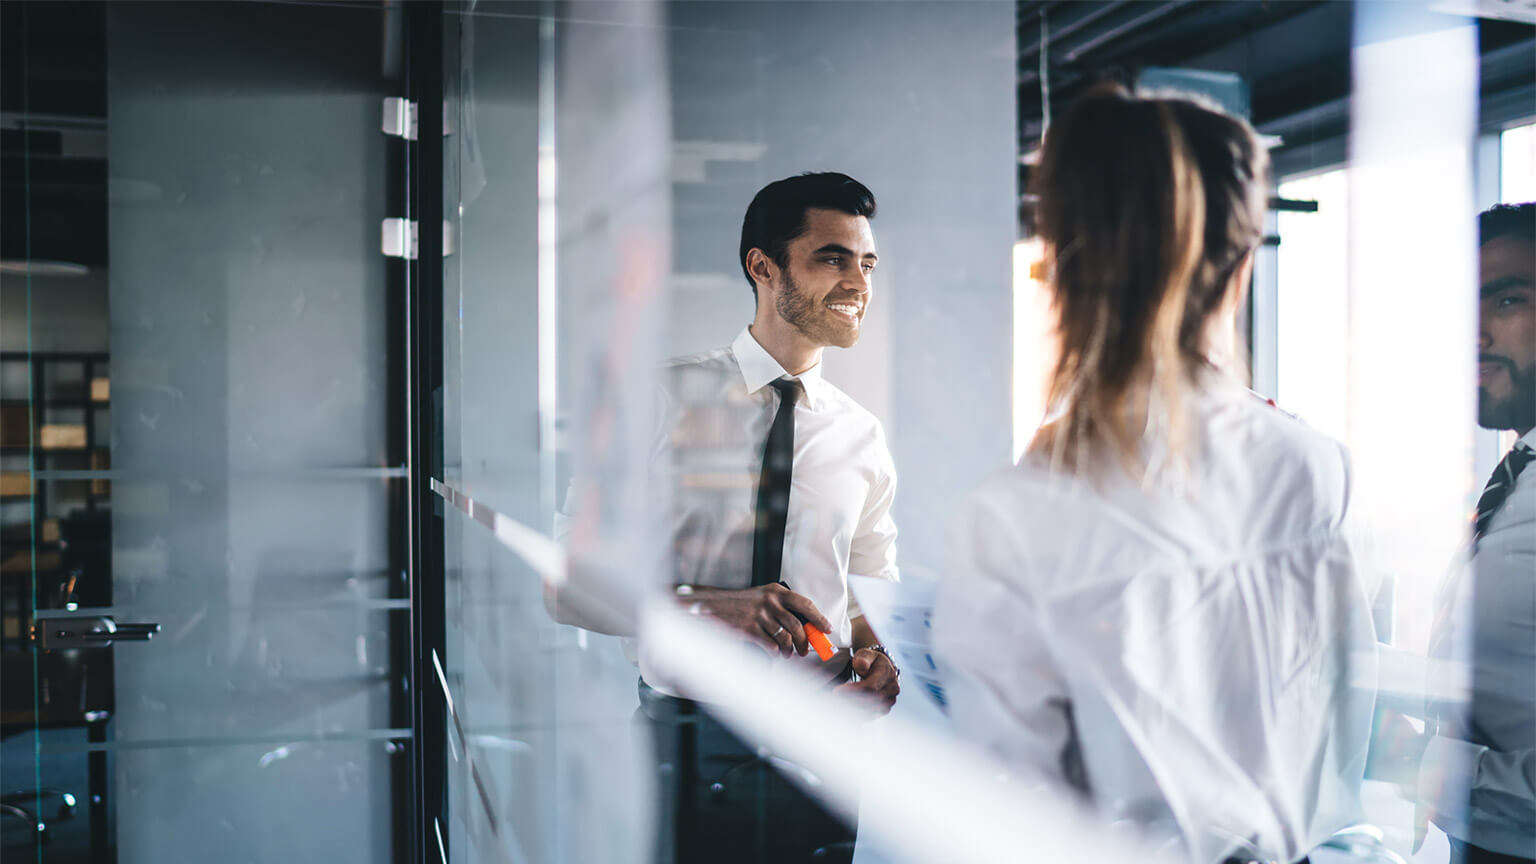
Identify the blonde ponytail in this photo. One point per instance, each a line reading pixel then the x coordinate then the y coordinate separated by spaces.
pixel 1136 264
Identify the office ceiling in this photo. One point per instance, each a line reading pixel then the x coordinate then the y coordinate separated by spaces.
pixel 1294 54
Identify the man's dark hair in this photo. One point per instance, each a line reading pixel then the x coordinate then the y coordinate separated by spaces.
pixel 776 215
pixel 1507 220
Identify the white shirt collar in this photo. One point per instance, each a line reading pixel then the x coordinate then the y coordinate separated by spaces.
pixel 1527 440
pixel 758 368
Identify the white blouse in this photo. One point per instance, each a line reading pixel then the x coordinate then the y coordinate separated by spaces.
pixel 1179 656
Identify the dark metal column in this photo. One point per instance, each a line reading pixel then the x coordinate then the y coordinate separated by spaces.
pixel 397 275
pixel 424 302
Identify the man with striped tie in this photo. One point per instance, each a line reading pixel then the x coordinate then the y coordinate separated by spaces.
pixel 1489 753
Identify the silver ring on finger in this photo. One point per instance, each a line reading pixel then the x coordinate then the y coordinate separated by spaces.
pixel 778 631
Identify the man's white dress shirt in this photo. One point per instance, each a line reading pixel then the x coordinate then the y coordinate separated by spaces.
pixel 1177 653
pixel 1479 771
pixel 717 410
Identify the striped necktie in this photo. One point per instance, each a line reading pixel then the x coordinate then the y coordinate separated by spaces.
pixel 1499 487
pixel 1444 719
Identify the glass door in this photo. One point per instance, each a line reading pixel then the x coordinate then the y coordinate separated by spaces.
pixel 204 533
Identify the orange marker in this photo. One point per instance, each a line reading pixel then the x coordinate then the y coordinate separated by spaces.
pixel 813 634
pixel 819 641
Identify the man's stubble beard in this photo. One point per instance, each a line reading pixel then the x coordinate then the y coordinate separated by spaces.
pixel 1518 410
pixel 800 312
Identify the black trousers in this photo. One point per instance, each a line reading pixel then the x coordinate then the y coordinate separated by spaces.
pixel 1466 853
pixel 721 802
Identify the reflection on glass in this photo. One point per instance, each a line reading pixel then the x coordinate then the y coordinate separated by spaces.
pixel 546 111
pixel 1501 814
pixel 1486 752
pixel 1467 762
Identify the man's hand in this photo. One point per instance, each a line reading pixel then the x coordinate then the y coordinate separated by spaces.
pixel 765 613
pixel 877 679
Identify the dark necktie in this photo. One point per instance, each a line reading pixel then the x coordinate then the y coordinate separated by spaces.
pixel 1499 487
pixel 773 487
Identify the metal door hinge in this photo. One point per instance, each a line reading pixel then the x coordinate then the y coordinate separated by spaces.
pixel 399 239
pixel 400 118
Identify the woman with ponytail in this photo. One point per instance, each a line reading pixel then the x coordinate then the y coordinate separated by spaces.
pixel 1159 609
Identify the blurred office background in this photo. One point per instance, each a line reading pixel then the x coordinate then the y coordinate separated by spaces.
pixel 310 312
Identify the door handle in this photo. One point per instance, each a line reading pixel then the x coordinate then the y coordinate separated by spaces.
pixel 99 631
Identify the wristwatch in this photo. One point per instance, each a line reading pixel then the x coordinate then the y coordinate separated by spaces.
pixel 881 649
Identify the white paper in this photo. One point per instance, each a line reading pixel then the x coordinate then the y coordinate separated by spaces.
pixel 901 614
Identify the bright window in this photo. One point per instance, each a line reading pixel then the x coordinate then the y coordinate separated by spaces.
pixel 1312 307
pixel 1517 164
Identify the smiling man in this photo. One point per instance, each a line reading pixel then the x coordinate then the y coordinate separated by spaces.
pixel 782 487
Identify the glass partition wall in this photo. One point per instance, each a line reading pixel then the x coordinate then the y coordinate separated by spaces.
pixel 598 158
pixel 205 546
pixel 555 166
pixel 302 497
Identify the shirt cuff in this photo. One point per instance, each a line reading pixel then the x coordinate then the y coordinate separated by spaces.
pixel 1447 772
